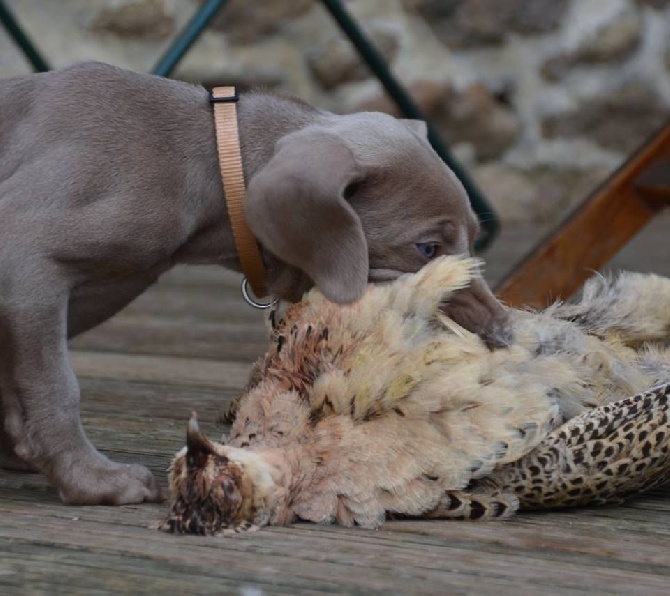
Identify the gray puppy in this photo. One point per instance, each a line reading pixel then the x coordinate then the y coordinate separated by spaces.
pixel 108 178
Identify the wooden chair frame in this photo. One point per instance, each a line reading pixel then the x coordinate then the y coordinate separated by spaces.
pixel 596 231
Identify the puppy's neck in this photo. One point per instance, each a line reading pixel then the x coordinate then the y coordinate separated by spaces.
pixel 263 119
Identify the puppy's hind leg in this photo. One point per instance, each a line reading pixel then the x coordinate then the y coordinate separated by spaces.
pixel 40 399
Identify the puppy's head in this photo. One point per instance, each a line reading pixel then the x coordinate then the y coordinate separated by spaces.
pixel 361 198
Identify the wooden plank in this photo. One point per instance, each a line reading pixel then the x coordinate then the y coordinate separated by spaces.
pixel 193 304
pixel 164 405
pixel 588 239
pixel 242 342
pixel 178 371
pixel 135 407
pixel 349 560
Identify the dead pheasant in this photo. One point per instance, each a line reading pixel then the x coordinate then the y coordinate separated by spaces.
pixel 388 408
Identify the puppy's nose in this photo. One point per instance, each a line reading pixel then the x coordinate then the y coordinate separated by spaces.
pixel 498 333
pixel 476 309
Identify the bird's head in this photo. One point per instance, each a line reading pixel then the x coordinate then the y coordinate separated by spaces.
pixel 215 489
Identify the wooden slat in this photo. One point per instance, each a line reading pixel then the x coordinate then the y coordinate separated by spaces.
pixel 592 235
pixel 179 371
pixel 172 336
pixel 136 397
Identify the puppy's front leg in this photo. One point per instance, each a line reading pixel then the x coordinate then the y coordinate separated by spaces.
pixel 40 397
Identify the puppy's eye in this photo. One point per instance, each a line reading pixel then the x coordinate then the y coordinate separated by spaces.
pixel 428 249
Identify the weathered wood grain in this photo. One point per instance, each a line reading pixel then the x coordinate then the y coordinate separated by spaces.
pixel 172 337
pixel 137 393
pixel 177 371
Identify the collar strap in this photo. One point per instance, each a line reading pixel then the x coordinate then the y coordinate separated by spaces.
pixel 224 100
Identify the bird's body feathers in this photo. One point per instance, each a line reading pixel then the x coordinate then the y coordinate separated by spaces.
pixel 387 407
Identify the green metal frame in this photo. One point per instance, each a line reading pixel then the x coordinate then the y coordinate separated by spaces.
pixel 28 48
pixel 188 36
pixel 194 28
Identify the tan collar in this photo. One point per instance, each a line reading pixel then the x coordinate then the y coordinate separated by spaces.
pixel 224 100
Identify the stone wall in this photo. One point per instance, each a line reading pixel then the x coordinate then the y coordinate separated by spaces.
pixel 539 98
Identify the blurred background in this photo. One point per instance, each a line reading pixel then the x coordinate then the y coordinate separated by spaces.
pixel 538 99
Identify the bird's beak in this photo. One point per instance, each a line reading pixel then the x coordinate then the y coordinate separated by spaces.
pixel 198 446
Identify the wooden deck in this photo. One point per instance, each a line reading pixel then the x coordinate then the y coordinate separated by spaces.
pixel 188 344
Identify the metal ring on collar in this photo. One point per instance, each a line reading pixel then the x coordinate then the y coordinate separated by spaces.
pixel 252 302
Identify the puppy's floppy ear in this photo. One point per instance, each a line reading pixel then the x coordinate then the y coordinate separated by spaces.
pixel 296 209
pixel 418 126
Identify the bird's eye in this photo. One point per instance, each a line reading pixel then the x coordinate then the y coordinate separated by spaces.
pixel 428 249
pixel 229 487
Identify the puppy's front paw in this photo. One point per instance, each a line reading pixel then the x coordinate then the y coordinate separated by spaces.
pixel 108 484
